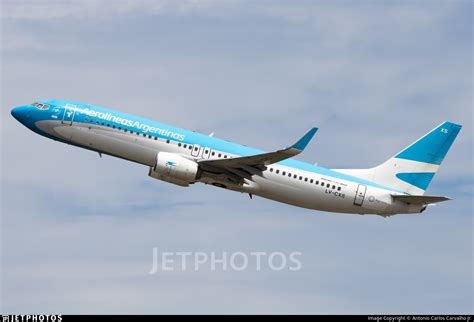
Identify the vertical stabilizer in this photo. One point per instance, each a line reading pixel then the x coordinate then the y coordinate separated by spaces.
pixel 412 169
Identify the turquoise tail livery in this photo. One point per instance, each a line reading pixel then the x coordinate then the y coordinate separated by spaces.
pixel 433 147
pixel 412 169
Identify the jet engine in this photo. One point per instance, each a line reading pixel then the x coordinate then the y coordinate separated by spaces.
pixel 175 169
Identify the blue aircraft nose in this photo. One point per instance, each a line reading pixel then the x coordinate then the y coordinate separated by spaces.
pixel 21 113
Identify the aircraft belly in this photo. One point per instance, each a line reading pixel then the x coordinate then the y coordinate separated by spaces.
pixel 114 144
pixel 111 142
pixel 302 195
pixel 53 128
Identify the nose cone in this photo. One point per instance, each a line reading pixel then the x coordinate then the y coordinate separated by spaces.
pixel 20 113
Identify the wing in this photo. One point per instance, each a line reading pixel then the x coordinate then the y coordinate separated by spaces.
pixel 264 159
pixel 420 199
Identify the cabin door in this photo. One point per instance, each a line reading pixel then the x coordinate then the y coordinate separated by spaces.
pixel 68 116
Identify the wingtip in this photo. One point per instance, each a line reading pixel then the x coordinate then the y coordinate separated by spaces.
pixel 452 124
pixel 303 142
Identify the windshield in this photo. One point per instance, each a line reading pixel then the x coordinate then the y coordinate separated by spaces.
pixel 40 106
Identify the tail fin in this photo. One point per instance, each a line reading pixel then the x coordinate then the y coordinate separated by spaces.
pixel 412 169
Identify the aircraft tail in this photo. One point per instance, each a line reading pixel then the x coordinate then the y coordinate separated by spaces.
pixel 412 169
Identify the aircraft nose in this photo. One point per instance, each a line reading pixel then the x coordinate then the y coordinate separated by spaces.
pixel 20 112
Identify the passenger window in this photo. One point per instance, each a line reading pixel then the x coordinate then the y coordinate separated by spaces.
pixel 283 173
pixel 195 148
pixel 294 176
pixel 225 156
pixel 289 175
pixel 179 144
pixel 305 179
pixel 168 141
pixel 113 126
pixel 333 187
pixel 338 188
pixel 328 185
pixel 156 138
pixel 213 153
pixel 185 146
pixel 322 184
pixel 103 124
pixel 125 130
pixel 311 181
pixel 271 170
pixel 86 119
pixel 108 125
pixel 120 129
pixel 219 155
pixel 277 171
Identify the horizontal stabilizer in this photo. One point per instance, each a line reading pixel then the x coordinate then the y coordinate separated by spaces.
pixel 421 200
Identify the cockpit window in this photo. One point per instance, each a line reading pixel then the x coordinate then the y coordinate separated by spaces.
pixel 40 106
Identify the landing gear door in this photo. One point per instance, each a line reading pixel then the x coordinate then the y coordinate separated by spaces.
pixel 360 195
pixel 68 116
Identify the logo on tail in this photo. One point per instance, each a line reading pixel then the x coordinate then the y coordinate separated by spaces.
pixel 412 169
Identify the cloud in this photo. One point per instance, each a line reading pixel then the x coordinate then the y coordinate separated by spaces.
pixel 92 9
pixel 78 230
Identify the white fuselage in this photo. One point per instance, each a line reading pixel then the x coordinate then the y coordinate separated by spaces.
pixel 278 182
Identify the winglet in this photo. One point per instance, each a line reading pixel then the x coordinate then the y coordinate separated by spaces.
pixel 303 142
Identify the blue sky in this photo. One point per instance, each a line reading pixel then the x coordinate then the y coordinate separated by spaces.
pixel 78 231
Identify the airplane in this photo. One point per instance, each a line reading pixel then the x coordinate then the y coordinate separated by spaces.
pixel 184 157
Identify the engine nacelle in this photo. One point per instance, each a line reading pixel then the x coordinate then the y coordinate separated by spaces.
pixel 175 169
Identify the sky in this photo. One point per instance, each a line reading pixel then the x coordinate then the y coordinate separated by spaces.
pixel 77 231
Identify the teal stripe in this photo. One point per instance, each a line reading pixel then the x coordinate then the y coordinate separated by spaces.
pixel 433 147
pixel 418 179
